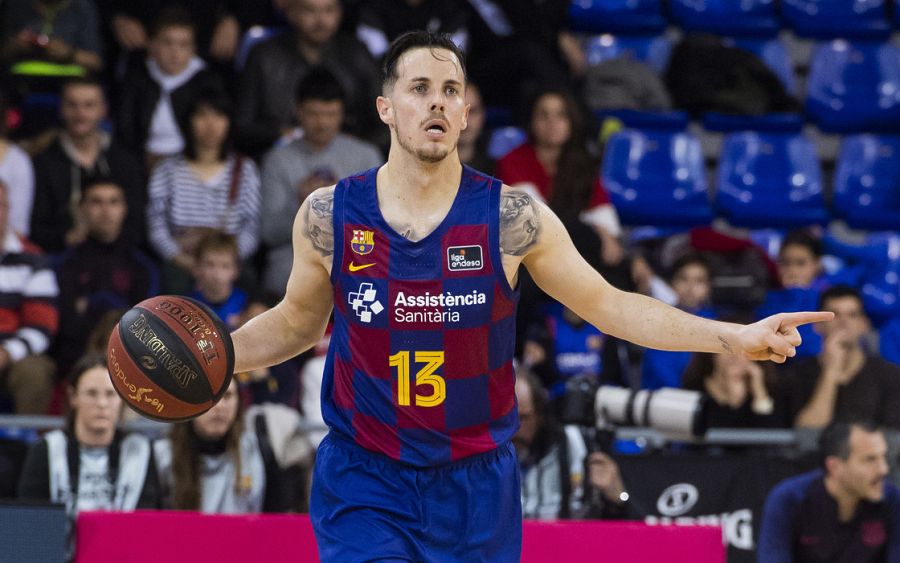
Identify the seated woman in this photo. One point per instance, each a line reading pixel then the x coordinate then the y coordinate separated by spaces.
pixel 91 465
pixel 208 188
pixel 227 462
pixel 554 166
pixel 739 392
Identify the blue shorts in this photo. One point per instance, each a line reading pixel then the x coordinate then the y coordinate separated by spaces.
pixel 367 507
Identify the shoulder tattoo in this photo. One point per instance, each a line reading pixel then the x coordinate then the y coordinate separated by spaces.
pixel 319 228
pixel 519 223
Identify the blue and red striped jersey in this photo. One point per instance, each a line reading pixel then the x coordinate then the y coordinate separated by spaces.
pixel 420 362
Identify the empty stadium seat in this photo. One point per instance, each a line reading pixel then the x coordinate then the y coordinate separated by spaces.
pixel 854 87
pixel 656 178
pixel 727 17
pixel 774 53
pixel 616 16
pixel 770 180
pixel 881 291
pixel 867 182
pixel 505 139
pixel 652 50
pixel 836 18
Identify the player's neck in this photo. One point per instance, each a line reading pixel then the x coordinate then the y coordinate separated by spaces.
pixel 407 177
pixel 846 501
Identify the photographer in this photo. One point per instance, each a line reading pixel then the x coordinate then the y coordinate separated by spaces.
pixel 554 460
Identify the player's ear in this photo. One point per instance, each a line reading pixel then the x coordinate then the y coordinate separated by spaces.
pixel 465 117
pixel 385 110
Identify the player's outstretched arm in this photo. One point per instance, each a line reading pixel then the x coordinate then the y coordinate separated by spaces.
pixel 558 268
pixel 299 320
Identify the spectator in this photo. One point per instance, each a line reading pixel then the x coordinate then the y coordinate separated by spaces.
pixel 91 465
pixel 518 47
pixel 800 272
pixel 562 347
pixel 226 462
pixel 105 272
pixel 738 391
pixel 554 166
pixel 155 96
pixel 691 284
pixel 290 173
pixel 381 21
pixel 274 67
pixel 552 461
pixel 473 146
pixel 845 512
pixel 82 152
pixel 29 318
pixel 216 269
pixel 207 188
pixel 844 382
pixel 58 31
pixel 17 173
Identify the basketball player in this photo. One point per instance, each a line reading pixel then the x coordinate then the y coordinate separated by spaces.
pixel 419 259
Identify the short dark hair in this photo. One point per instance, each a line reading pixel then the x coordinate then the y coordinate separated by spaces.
pixel 87 80
pixel 416 40
pixel 837 292
pixel 689 259
pixel 804 238
pixel 173 16
pixel 95 181
pixel 319 84
pixel 87 362
pixel 218 241
pixel 217 100
pixel 835 438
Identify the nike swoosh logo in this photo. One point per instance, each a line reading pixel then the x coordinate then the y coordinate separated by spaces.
pixel 354 268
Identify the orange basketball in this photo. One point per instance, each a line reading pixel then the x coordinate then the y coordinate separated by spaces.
pixel 170 358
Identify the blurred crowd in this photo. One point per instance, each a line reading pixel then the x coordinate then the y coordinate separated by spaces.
pixel 159 147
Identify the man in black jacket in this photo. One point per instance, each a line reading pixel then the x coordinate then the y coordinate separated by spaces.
pixel 81 152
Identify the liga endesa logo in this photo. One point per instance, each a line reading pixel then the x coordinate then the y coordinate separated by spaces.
pixel 461 258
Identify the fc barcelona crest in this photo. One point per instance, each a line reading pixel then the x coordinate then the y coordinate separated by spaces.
pixel 363 241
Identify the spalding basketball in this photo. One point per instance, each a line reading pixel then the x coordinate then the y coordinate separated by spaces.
pixel 170 358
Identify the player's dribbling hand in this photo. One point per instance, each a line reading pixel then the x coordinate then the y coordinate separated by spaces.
pixel 775 338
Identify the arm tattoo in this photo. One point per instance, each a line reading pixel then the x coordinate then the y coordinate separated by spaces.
pixel 519 224
pixel 726 345
pixel 319 228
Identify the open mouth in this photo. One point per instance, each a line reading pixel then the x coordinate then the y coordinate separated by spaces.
pixel 436 127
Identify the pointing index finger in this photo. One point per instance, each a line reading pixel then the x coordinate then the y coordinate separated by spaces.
pixel 792 320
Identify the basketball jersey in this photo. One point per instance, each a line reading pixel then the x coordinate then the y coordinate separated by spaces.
pixel 419 367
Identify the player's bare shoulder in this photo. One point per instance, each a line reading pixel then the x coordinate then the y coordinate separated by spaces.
pixel 520 222
pixel 316 216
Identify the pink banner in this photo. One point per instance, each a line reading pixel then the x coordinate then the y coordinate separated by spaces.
pixel 152 537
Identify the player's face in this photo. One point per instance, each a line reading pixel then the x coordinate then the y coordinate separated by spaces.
pixel 797 266
pixel 82 108
pixel 426 107
pixel 173 48
pixel 863 472
pixel 215 423
pixel 321 121
pixel 104 210
pixel 550 122
pixel 691 283
pixel 216 272
pixel 210 127
pixel 95 402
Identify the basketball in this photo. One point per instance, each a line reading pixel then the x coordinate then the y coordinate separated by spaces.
pixel 170 358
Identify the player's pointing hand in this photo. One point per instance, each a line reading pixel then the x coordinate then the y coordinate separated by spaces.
pixel 774 338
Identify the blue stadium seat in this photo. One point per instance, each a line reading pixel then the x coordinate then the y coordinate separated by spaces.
pixel 774 53
pixel 505 139
pixel 652 50
pixel 251 37
pixel 881 291
pixel 616 16
pixel 854 87
pixel 728 122
pixel 656 178
pixel 826 19
pixel 727 17
pixel 770 180
pixel 867 182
